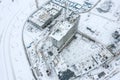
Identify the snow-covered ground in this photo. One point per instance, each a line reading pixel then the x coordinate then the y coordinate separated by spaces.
pixel 101 29
pixel 13 15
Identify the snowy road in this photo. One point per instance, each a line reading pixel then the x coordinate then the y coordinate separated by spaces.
pixel 14 65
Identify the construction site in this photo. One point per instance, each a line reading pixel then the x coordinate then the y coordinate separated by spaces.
pixel 66 40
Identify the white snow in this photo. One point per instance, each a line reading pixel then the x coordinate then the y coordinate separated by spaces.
pixel 13 15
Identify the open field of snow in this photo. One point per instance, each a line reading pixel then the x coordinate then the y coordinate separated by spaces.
pixel 13 14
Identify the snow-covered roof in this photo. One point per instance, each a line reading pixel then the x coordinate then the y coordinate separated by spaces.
pixel 61 31
pixel 44 14
pixel 52 5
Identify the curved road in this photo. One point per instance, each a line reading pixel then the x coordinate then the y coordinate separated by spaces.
pixel 14 65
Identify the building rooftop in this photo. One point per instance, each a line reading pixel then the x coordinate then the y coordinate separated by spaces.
pixel 40 17
pixel 51 6
pixel 61 30
pixel 45 14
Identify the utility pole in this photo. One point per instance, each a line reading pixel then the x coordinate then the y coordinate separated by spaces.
pixel 36 3
pixel 66 6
